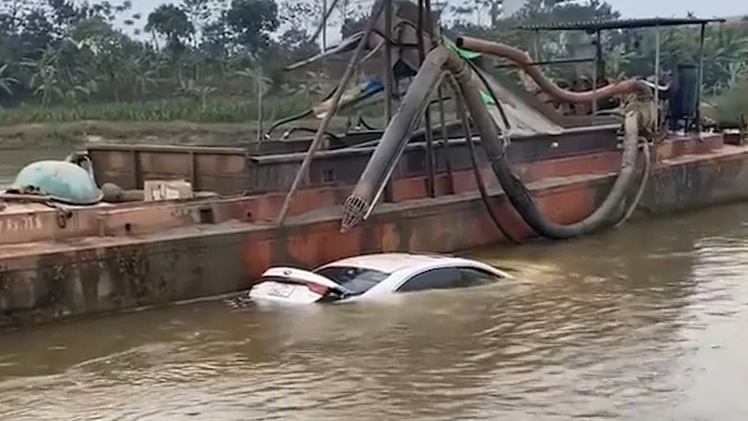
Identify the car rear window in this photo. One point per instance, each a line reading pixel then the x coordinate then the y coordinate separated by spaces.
pixel 355 279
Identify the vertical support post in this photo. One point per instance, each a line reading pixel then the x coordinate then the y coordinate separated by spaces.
pixel 656 104
pixel 596 70
pixel 424 11
pixel 388 73
pixel 536 45
pixel 388 81
pixel 445 139
pixel 334 103
pixel 136 169
pixel 495 13
pixel 324 25
pixel 700 88
pixel 260 85
pixel 326 12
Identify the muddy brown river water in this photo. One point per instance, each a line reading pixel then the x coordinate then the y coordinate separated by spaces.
pixel 11 161
pixel 649 322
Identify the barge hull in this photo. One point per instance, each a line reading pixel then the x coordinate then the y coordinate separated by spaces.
pixel 42 282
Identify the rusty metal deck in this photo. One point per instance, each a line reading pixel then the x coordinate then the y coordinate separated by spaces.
pixel 236 170
pixel 148 254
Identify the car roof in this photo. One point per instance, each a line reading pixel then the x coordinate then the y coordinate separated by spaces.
pixel 392 262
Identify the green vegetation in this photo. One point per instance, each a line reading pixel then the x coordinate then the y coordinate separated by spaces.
pixel 213 110
pixel 212 61
pixel 728 107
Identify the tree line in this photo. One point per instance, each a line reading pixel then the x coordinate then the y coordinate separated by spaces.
pixel 54 51
pixel 65 53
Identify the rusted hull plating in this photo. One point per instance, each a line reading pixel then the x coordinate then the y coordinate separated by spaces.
pixel 135 256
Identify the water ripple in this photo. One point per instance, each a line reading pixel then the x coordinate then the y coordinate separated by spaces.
pixel 632 324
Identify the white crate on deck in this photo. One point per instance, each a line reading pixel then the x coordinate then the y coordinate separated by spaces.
pixel 158 190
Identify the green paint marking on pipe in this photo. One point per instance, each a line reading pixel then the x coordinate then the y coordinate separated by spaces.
pixel 469 55
pixel 466 54
pixel 487 98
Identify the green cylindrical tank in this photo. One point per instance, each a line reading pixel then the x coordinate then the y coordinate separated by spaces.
pixel 61 181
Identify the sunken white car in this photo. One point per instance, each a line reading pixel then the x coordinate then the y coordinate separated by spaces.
pixel 371 275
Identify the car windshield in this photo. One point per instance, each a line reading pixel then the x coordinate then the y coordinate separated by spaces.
pixel 355 279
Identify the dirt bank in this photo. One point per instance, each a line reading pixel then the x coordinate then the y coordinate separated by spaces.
pixel 57 135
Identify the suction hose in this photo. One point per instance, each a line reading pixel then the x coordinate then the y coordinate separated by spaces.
pixel 642 186
pixel 485 198
pixel 523 60
pixel 359 205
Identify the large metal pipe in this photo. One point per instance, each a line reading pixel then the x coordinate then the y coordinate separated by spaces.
pixel 523 60
pixel 396 135
pixel 360 203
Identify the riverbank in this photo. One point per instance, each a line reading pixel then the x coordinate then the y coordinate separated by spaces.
pixel 75 133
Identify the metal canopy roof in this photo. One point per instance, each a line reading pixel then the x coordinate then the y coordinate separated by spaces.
pixel 601 25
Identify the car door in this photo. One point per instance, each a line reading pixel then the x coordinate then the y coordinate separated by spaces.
pixel 440 278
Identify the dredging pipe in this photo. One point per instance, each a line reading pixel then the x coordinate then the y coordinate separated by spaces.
pixel 359 205
pixel 524 61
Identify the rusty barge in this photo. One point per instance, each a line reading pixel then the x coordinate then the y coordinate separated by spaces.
pixel 279 202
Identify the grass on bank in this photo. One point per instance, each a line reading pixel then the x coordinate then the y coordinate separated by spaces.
pixel 224 110
pixel 217 121
pixel 173 121
pixel 725 109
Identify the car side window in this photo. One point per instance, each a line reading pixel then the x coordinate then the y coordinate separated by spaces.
pixel 473 276
pixel 432 279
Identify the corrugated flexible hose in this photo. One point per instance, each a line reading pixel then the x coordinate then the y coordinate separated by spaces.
pixel 360 203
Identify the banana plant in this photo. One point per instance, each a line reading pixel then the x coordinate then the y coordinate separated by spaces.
pixel 6 81
pixel 260 83
pixel 73 94
pixel 144 73
pixel 45 79
pixel 738 74
pixel 313 85
pixel 114 71
pixel 198 91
